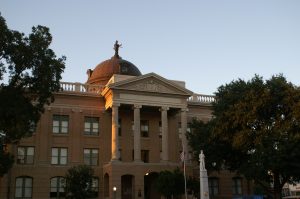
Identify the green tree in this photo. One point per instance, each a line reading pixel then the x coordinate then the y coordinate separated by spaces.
pixel 193 185
pixel 29 74
pixel 170 184
pixel 255 130
pixel 79 182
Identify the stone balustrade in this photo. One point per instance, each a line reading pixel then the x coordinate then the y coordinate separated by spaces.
pixel 80 88
pixel 89 88
pixel 200 98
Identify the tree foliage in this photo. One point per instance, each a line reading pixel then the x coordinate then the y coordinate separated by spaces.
pixel 79 182
pixel 29 74
pixel 170 184
pixel 255 130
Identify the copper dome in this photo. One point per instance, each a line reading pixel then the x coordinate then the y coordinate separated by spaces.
pixel 116 65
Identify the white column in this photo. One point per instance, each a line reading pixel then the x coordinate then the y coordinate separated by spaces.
pixel 114 133
pixel 183 132
pixel 165 136
pixel 137 133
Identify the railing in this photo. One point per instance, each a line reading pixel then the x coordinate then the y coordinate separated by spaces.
pixel 90 88
pixel 80 88
pixel 199 98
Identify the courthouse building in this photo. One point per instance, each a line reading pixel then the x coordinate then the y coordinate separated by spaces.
pixel 126 125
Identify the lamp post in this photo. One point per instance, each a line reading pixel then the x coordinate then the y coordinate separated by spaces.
pixel 115 192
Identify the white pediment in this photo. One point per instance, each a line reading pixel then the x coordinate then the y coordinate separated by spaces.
pixel 152 83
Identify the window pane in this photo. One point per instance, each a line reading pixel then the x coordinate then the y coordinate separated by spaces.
pixel 95 182
pixel 95 151
pixel 29 159
pixel 55 126
pixel 55 123
pixel 54 160
pixel 95 131
pixel 86 127
pixel 21 155
pixel 55 129
pixel 64 130
pixel 54 152
pixel 18 192
pixel 94 161
pixel 64 124
pixel 19 182
pixel 27 192
pixel 63 160
pixel 237 186
pixel 30 151
pixel 28 182
pixel 95 125
pixel 86 151
pixel 63 152
pixel 62 181
pixel 86 160
pixel 53 183
pixel 21 151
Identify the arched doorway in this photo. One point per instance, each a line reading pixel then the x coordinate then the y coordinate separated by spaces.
pixel 150 191
pixel 127 186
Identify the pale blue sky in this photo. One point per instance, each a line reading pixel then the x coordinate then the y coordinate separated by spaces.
pixel 205 43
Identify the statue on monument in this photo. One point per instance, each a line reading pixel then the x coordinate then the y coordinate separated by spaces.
pixel 204 191
pixel 116 48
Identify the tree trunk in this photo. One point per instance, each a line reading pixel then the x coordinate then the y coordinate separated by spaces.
pixel 277 187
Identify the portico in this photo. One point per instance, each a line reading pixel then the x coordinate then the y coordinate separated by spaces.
pixel 165 98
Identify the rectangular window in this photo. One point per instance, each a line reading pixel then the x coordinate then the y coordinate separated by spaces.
pixel 59 156
pixel 213 184
pixel 60 124
pixel 23 187
pixel 237 186
pixel 91 125
pixel 145 156
pixel 144 128
pixel 90 156
pixel 25 155
pixel 57 185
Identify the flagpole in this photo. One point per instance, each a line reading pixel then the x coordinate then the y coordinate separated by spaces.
pixel 185 191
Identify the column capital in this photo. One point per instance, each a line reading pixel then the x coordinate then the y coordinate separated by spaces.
pixel 185 109
pixel 137 106
pixel 164 108
pixel 115 104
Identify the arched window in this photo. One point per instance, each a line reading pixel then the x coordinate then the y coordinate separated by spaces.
pixel 95 187
pixel 23 187
pixel 213 184
pixel 237 186
pixel 57 185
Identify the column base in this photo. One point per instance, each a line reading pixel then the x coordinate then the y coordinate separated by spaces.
pixel 138 161
pixel 115 161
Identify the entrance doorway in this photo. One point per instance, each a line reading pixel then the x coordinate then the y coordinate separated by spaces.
pixel 127 184
pixel 150 191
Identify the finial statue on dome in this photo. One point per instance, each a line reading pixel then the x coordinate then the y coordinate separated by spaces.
pixel 116 48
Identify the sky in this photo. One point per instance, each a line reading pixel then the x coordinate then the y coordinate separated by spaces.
pixel 206 43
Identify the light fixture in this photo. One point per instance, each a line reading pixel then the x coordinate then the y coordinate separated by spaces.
pixel 146 174
pixel 114 188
